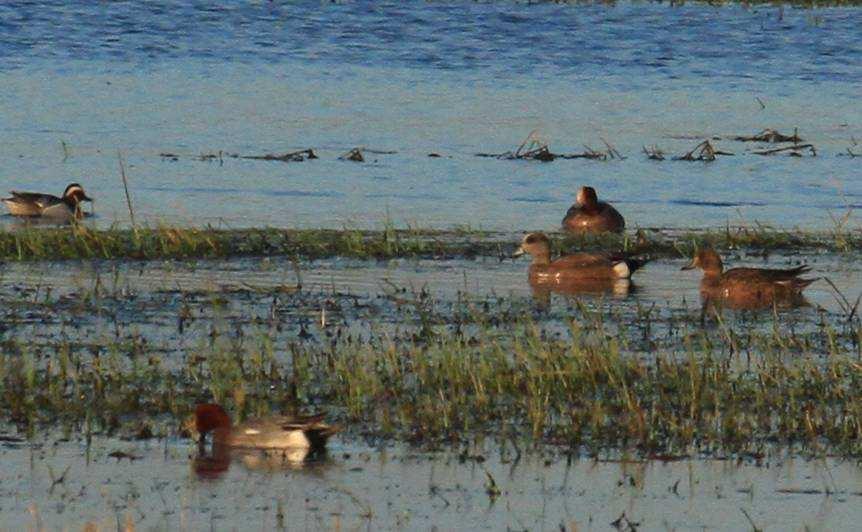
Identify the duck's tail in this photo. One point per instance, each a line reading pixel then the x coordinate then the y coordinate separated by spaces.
pixel 799 270
pixel 796 284
pixel 633 264
pixel 315 428
pixel 636 263
pixel 624 266
pixel 319 435
pixel 802 284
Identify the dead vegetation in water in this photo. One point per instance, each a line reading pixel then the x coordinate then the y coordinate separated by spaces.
pixel 654 153
pixel 306 154
pixel 771 136
pixel 354 155
pixel 796 150
pixel 289 157
pixel 536 149
pixel 704 151
pixel 849 152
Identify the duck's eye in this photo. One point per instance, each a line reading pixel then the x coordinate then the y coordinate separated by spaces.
pixel 530 239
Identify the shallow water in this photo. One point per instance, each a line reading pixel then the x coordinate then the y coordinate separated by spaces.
pixel 452 78
pixel 361 487
pixel 173 307
pixel 660 281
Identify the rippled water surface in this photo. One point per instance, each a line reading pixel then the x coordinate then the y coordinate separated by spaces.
pixel 168 487
pixel 81 81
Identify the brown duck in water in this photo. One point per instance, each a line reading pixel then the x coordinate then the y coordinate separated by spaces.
pixel 589 215
pixel 748 288
pixel 579 272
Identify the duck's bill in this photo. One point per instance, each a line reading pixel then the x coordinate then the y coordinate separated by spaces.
pixel 690 266
pixel 86 198
pixel 518 252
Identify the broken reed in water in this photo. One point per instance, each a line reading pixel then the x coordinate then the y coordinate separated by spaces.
pixel 80 242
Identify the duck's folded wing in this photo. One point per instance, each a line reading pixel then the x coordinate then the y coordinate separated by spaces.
pixel 301 422
pixel 42 200
pixel 583 260
pixel 313 427
pixel 763 275
pixel 792 272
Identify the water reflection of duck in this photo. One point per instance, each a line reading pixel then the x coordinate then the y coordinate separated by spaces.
pixel 36 204
pixel 748 288
pixel 216 463
pixel 616 288
pixel 275 432
pixel 589 215
pixel 579 272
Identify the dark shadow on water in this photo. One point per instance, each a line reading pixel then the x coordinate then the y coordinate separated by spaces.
pixel 532 200
pixel 697 203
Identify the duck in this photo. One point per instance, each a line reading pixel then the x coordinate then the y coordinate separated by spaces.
pixel 275 432
pixel 589 215
pixel 578 272
pixel 748 288
pixel 36 204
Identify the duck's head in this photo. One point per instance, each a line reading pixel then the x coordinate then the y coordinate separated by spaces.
pixel 587 197
pixel 75 193
pixel 210 417
pixel 537 245
pixel 707 260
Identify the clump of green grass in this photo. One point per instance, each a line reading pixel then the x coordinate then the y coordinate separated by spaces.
pixel 591 396
pixel 163 242
pixel 80 242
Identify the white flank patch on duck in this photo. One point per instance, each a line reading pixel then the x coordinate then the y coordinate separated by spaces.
pixel 59 211
pixel 621 270
pixel 295 439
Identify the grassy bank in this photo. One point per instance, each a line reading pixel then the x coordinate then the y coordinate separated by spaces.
pixel 80 242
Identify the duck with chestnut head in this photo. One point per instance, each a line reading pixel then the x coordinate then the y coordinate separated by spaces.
pixel 748 288
pixel 589 215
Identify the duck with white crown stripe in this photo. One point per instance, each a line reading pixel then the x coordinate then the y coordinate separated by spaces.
pixel 39 205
